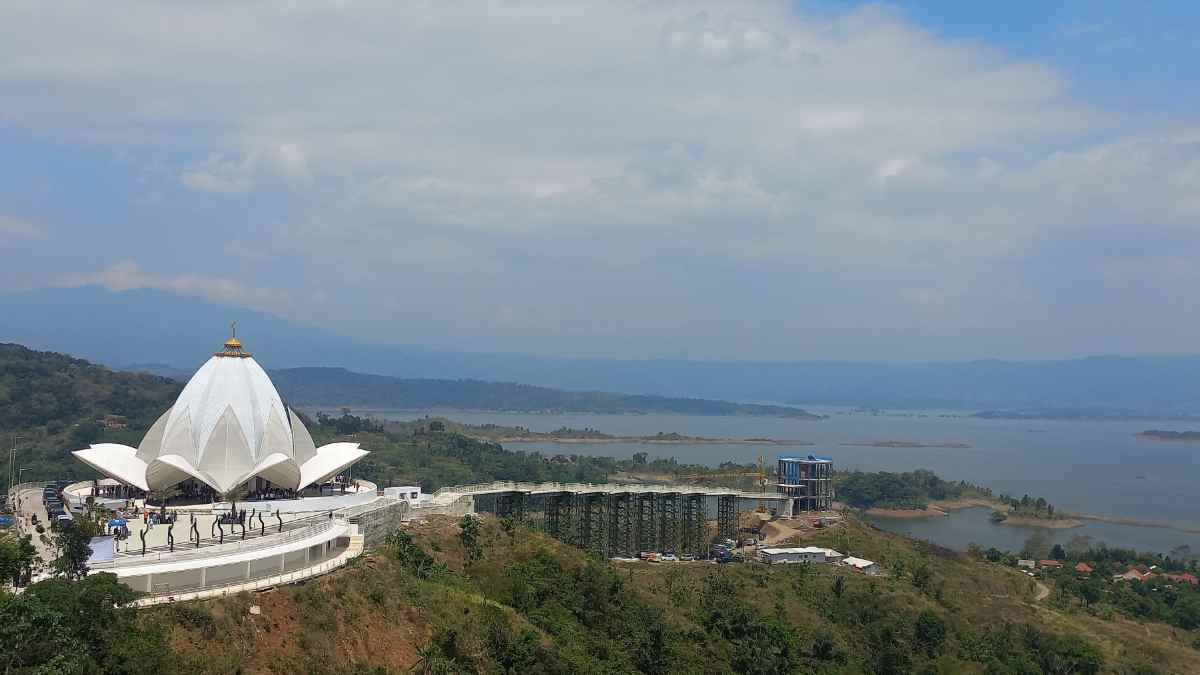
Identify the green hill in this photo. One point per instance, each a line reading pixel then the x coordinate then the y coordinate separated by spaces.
pixel 529 604
pixel 56 404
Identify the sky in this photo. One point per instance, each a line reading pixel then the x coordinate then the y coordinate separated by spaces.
pixel 707 180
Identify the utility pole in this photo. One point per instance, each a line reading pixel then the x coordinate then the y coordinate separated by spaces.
pixel 12 468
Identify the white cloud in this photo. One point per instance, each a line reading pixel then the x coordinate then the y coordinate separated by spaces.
pixel 127 275
pixel 13 229
pixel 469 150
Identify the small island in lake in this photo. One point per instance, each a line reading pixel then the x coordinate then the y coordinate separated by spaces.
pixel 922 494
pixel 567 436
pixel 905 444
pixel 1170 436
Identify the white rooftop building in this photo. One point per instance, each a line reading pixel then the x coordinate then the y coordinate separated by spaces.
pixel 864 566
pixel 228 426
pixel 797 554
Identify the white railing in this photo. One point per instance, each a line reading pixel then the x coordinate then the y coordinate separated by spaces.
pixel 21 487
pixel 133 560
pixel 376 504
pixel 353 551
pixel 581 488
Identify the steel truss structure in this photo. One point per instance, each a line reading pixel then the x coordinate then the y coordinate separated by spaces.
pixel 612 524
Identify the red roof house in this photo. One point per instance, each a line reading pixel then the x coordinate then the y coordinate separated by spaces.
pixel 1084 568
pixel 1134 574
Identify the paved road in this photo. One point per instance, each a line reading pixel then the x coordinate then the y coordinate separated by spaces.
pixel 29 502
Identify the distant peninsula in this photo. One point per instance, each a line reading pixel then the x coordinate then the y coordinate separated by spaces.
pixel 1081 414
pixel 566 436
pixel 1170 436
pixel 337 387
pixel 905 444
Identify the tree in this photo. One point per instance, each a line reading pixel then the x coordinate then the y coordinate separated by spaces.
pixel 73 553
pixel 1090 591
pixel 930 632
pixel 17 558
pixel 469 535
pixel 86 626
pixel 1058 553
pixel 922 576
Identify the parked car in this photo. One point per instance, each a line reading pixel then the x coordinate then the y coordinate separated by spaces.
pixel 668 557
pixel 687 557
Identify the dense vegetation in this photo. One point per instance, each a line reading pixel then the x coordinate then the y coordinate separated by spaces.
pixel 908 490
pixel 482 595
pixel 1026 507
pixel 56 404
pixel 84 627
pixel 338 386
pixel 522 603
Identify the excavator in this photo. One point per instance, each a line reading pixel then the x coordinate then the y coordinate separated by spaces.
pixel 761 478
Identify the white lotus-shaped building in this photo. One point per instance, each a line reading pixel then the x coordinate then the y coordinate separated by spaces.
pixel 227 427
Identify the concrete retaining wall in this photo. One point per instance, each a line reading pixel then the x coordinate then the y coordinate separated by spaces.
pixel 377 524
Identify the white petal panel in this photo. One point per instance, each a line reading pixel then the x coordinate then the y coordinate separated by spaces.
pixel 227 457
pixel 116 461
pixel 330 460
pixel 151 443
pixel 168 470
pixel 276 439
pixel 304 447
pixel 177 435
pixel 280 469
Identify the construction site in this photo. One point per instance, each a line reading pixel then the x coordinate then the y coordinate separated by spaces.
pixel 674 521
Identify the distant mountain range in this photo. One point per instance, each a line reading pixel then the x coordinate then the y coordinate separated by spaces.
pixel 338 386
pixel 177 333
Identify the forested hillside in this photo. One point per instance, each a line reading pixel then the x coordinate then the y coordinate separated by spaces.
pixel 338 386
pixel 490 596
pixel 55 404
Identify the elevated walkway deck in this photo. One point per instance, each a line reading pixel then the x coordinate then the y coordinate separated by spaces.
pixel 502 487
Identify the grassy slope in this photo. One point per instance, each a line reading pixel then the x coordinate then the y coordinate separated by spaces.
pixel 375 615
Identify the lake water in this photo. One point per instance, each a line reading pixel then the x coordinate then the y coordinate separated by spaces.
pixel 1097 467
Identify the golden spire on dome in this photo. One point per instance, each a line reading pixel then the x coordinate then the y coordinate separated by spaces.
pixel 233 346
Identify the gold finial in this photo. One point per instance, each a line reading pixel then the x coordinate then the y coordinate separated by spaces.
pixel 233 346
